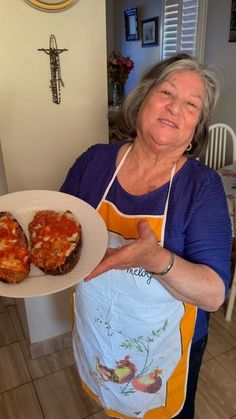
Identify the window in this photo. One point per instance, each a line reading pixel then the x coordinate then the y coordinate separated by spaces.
pixel 184 26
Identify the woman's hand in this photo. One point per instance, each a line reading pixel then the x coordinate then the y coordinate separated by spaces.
pixel 188 282
pixel 140 253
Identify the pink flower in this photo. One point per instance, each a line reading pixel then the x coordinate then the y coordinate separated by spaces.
pixel 119 67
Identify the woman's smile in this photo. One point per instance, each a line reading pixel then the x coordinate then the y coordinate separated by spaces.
pixel 168 122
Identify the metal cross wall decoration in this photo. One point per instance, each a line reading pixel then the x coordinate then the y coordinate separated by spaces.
pixel 56 80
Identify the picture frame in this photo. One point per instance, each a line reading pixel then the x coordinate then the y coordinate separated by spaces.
pixel 232 30
pixel 131 24
pixel 150 32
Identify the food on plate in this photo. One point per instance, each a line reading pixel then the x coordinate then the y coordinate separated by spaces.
pixel 55 239
pixel 14 253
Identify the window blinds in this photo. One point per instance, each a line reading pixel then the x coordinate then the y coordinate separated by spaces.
pixel 180 24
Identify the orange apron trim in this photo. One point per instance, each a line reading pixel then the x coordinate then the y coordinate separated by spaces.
pixel 126 226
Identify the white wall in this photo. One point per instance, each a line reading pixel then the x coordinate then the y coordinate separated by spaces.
pixel 40 139
pixel 221 55
pixel 142 57
pixel 48 316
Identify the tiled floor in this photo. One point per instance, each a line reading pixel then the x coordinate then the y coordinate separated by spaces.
pixel 49 387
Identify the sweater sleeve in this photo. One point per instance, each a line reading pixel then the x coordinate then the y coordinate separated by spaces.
pixel 90 173
pixel 71 184
pixel 208 237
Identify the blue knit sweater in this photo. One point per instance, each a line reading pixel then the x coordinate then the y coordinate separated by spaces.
pixel 198 225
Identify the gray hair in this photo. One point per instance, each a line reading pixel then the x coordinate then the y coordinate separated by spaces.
pixel 127 117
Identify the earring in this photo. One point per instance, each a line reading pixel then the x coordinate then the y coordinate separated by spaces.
pixel 189 147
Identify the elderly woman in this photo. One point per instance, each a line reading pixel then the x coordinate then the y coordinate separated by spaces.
pixel 141 322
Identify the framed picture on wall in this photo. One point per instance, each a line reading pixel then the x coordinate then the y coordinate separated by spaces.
pixel 150 32
pixel 131 24
pixel 232 31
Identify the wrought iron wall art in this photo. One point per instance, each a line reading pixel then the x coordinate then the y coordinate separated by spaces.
pixel 56 80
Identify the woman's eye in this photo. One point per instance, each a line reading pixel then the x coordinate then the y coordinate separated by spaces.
pixel 193 105
pixel 166 92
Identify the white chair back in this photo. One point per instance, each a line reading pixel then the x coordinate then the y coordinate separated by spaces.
pixel 221 148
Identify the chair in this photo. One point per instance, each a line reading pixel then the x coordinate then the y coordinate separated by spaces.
pixel 221 148
pixel 232 295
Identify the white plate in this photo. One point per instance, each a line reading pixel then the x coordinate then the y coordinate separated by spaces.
pixel 23 206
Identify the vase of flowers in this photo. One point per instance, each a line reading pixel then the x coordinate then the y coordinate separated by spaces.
pixel 117 94
pixel 118 70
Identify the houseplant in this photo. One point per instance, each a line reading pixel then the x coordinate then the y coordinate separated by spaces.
pixel 118 69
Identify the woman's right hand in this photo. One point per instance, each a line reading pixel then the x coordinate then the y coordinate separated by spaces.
pixel 140 253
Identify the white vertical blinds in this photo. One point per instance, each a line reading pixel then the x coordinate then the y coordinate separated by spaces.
pixel 180 23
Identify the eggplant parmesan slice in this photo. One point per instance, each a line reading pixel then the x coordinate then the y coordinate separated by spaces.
pixel 55 239
pixel 14 253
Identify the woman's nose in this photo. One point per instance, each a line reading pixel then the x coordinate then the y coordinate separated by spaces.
pixel 174 106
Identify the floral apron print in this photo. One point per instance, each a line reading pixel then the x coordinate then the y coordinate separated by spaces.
pixel 131 337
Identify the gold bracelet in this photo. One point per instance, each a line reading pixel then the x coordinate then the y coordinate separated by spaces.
pixel 168 268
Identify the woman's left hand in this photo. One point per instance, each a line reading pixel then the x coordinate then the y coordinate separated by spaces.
pixel 187 282
pixel 140 253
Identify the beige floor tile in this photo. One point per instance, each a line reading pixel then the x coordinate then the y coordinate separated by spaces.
pixel 20 403
pixel 206 356
pixel 222 334
pixel 49 346
pixel 13 370
pixel 7 301
pixel 205 408
pixel 228 362
pixel 2 308
pixel 16 322
pixel 216 392
pixel 47 364
pixel 7 331
pixel 61 396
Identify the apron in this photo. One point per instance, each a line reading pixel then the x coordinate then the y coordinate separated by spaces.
pixel 131 338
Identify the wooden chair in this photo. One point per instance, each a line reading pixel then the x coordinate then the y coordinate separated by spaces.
pixel 221 148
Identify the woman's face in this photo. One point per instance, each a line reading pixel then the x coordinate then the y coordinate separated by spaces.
pixel 168 116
